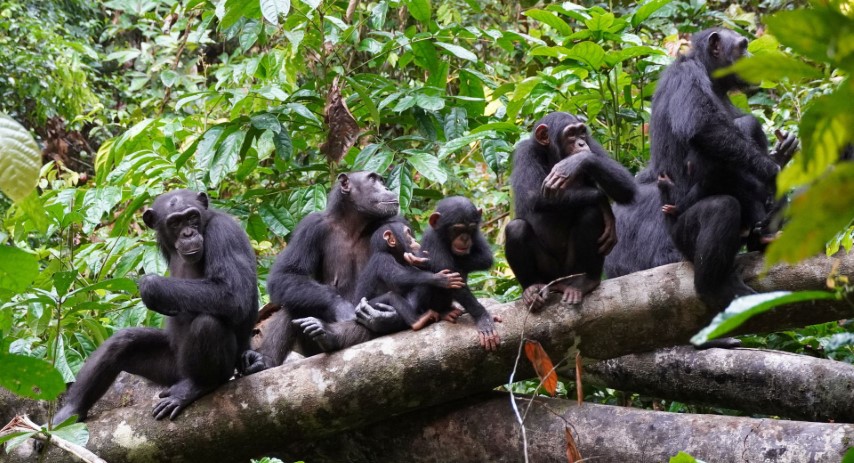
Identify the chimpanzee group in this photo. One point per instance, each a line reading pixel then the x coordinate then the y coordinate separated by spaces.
pixel 355 271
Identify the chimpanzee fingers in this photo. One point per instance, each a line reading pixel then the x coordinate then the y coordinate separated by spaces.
pixel 489 340
pixel 164 408
pixel 165 393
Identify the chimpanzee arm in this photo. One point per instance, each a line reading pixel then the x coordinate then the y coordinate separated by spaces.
pixel 228 289
pixel 395 274
pixel 573 197
pixel 483 320
pixel 480 257
pixel 614 179
pixel 292 280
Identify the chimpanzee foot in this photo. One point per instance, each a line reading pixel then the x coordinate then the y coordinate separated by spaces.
pixel 452 316
pixel 572 295
pixel 180 395
pixel 253 362
pixel 429 317
pixel 533 297
pixel 319 332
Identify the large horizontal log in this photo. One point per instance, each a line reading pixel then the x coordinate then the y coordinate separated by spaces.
pixel 483 428
pixel 394 374
pixel 755 381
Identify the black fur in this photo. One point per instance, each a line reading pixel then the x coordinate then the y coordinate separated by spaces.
pixel 210 299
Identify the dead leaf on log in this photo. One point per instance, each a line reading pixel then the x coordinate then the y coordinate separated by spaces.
pixel 542 365
pixel 572 453
pixel 343 129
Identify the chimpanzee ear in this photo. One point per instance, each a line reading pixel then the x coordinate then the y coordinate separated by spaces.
pixel 715 44
pixel 150 218
pixel 541 134
pixel 479 213
pixel 344 181
pixel 202 198
pixel 434 219
pixel 388 236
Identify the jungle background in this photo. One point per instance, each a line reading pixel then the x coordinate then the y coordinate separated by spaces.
pixel 127 99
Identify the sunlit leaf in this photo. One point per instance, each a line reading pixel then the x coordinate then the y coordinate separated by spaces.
pixel 234 10
pixel 458 51
pixel 20 159
pixel 427 165
pixel 588 53
pixel 421 10
pixel 646 10
pixel 683 457
pixel 400 181
pixel 272 9
pixel 542 365
pixel 772 66
pixel 550 19
pixel 30 377
pixel 18 269
pixel 465 140
pixel 15 439
pixel 810 32
pixel 226 157
pixel 76 433
pixel 743 308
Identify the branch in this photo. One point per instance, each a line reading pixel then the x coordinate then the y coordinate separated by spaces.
pixel 326 394
pixel 755 381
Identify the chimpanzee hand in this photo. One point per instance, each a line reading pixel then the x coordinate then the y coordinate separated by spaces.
pixel 534 297
pixel 486 333
pixel 151 293
pixel 449 279
pixel 379 318
pixel 608 239
pixel 786 146
pixel 564 174
pixel 670 209
pixel 414 260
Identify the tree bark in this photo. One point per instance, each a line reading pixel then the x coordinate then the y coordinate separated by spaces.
pixel 483 428
pixel 755 381
pixel 326 394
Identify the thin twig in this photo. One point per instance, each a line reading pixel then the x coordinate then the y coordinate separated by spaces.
pixel 21 423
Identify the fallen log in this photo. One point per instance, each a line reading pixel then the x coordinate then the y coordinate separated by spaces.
pixel 326 394
pixel 483 428
pixel 755 381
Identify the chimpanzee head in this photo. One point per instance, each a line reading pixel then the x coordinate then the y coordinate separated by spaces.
pixel 395 238
pixel 457 222
pixel 179 218
pixel 718 48
pixel 560 135
pixel 366 193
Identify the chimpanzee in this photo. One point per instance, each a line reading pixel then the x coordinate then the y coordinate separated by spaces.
pixel 389 277
pixel 210 300
pixel 316 275
pixel 695 124
pixel 561 180
pixel 454 242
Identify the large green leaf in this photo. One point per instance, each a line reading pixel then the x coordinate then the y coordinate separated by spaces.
pixel 225 159
pixel 427 165
pixel 272 9
pixel 646 10
pixel 743 308
pixel 421 10
pixel 400 181
pixel 772 66
pixel 20 159
pixel 816 216
pixel 465 140
pixel 18 269
pixel 234 10
pixel 76 433
pixel 810 32
pixel 458 51
pixel 30 377
pixel 279 220
pixel 550 19
pixel 588 53
pixel 849 456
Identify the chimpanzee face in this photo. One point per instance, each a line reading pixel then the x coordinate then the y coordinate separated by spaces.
pixel 573 139
pixel 369 194
pixel 562 141
pixel 461 237
pixel 178 218
pixel 725 47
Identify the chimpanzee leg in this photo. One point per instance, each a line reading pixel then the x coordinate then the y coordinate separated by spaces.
pixel 585 257
pixel 523 252
pixel 708 235
pixel 206 357
pixel 139 351
pixel 333 336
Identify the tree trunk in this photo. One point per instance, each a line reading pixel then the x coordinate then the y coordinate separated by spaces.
pixel 483 428
pixel 326 394
pixel 755 381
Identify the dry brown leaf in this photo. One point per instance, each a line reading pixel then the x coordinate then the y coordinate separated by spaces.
pixel 573 455
pixel 343 128
pixel 542 365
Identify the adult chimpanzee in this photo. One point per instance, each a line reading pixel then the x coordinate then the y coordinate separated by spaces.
pixel 561 180
pixel 316 275
pixel 696 132
pixel 389 278
pixel 210 300
pixel 453 241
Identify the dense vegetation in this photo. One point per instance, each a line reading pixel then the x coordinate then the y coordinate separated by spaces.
pixel 130 98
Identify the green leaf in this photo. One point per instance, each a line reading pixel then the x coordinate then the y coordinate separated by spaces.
pixel 524 88
pixel 427 165
pixel 63 280
pixel 169 77
pixel 465 140
pixel 458 51
pixel 113 284
pixel 419 9
pixel 550 19
pixel 18 269
pixel 256 228
pixel 234 10
pixel 284 144
pixel 400 181
pixel 810 32
pixel 816 216
pixel 683 457
pixel 765 44
pixel 266 121
pixel 272 9
pixel 225 159
pixel 365 96
pixel 456 123
pixel 76 433
pixel 429 102
pixel 646 10
pixel 20 159
pixel 278 219
pixel 498 127
pixel 849 456
pixel 312 4
pixel 206 149
pixel 30 377
pixel 743 308
pixel 588 53
pixel 772 66
pixel 15 439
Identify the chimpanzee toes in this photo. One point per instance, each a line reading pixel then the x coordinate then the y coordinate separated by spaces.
pixel 252 362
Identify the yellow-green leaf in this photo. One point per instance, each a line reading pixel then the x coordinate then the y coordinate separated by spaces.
pixel 20 159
